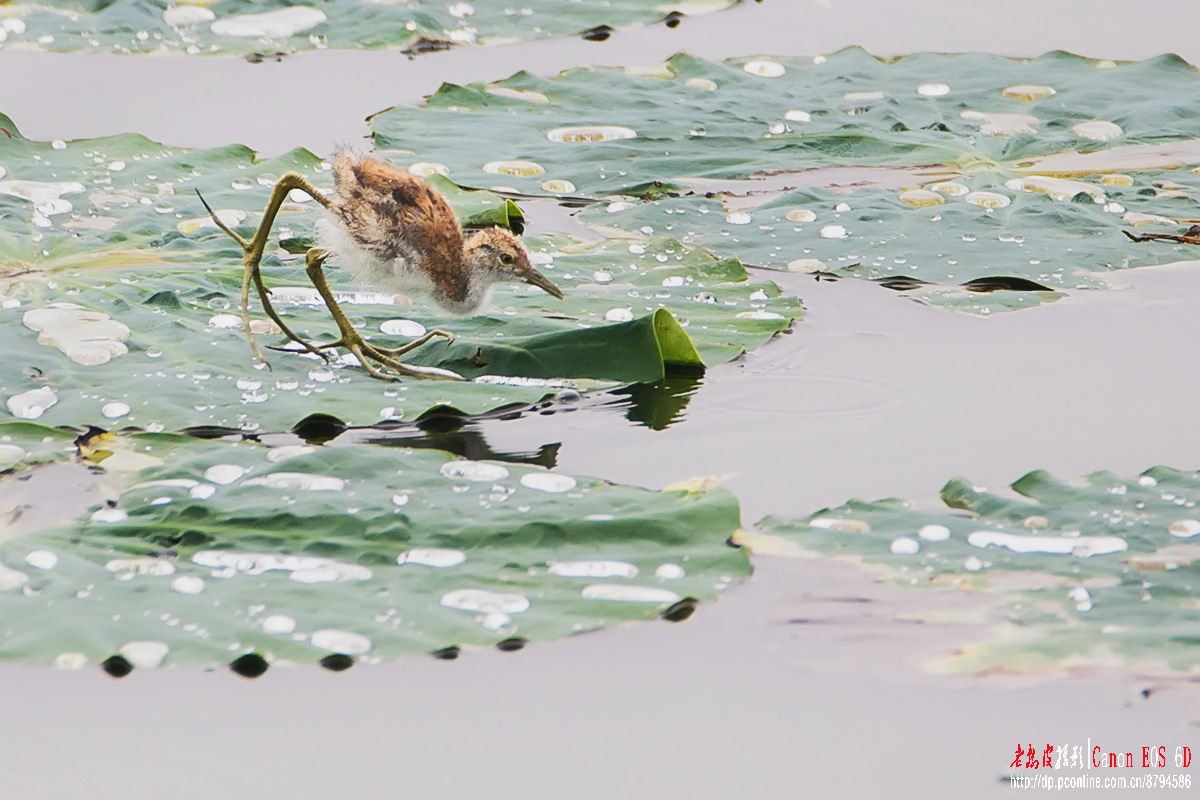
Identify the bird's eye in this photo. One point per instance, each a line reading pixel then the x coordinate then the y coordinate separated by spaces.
pixel 506 259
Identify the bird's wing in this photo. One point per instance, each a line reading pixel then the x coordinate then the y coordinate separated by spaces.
pixel 393 214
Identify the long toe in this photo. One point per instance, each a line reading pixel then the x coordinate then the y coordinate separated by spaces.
pixel 409 370
pixel 396 352
pixel 365 362
pixel 433 373
pixel 302 349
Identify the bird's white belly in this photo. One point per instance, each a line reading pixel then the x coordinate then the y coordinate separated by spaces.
pixel 397 275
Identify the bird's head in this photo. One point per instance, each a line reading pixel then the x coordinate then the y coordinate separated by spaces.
pixel 494 255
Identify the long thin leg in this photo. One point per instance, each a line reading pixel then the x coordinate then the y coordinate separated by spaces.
pixel 313 262
pixel 253 252
pixel 352 340
pixel 415 343
pixel 264 296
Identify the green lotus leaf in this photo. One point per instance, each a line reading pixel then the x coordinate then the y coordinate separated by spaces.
pixel 841 164
pixel 703 120
pixel 24 444
pixel 601 353
pixel 216 549
pixel 504 215
pixel 269 29
pixel 120 298
pixel 1092 568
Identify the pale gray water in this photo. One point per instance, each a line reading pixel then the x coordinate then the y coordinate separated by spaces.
pixel 734 703
pixel 876 396
pixel 872 395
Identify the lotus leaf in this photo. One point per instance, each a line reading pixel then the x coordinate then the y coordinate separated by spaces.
pixel 120 296
pixel 943 169
pixel 1082 569
pixel 220 548
pixel 264 29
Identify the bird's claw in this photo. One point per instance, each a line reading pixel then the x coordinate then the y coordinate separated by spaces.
pixel 365 352
pixel 317 351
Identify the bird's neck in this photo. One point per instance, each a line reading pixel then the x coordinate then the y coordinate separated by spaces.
pixel 479 282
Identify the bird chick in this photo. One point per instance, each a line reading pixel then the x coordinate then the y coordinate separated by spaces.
pixel 394 230
pixel 391 229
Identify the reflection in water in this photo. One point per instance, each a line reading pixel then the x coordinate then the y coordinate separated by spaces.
pixel 337 662
pixel 682 610
pixel 442 429
pixel 468 442
pixel 250 665
pixel 319 428
pixel 655 405
pixel 117 666
pixel 50 495
pixel 995 283
pixel 658 405
pixel 447 653
pixel 511 644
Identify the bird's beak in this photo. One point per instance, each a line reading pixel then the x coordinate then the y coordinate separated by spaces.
pixel 542 282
